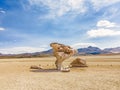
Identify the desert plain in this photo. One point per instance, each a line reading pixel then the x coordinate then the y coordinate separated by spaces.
pixel 102 73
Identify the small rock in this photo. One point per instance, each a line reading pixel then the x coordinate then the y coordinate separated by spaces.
pixel 35 67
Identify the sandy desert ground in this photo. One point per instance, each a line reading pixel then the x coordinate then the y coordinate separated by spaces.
pixel 102 73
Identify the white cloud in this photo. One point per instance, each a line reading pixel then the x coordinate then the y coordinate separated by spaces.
pixel 18 50
pixel 102 3
pixel 101 32
pixel 82 45
pixel 105 23
pixel 59 8
pixel 1 28
pixel 1 11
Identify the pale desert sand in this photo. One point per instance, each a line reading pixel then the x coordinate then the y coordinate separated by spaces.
pixel 102 73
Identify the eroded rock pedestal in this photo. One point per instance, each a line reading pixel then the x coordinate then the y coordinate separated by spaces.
pixel 61 52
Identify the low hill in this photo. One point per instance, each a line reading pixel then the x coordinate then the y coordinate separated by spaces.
pixel 113 50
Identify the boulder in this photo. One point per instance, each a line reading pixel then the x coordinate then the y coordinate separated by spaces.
pixel 78 62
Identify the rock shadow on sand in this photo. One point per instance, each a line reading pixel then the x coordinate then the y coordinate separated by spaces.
pixel 44 70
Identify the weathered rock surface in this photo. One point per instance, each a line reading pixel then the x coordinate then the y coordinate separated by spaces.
pixel 78 62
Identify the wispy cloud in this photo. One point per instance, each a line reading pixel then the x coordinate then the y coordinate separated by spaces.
pixel 101 32
pixel 1 28
pixel 2 11
pixel 58 8
pixel 18 50
pixel 82 45
pixel 98 4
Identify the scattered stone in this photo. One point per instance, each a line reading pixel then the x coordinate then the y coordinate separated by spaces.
pixel 36 67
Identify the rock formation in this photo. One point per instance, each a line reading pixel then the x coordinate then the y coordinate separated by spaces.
pixel 78 62
pixel 61 52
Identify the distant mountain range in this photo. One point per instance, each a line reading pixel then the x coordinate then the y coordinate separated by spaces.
pixel 96 50
pixel 91 50
pixel 113 50
pixel 81 51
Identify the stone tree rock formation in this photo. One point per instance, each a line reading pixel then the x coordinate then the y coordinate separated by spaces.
pixel 61 52
pixel 78 62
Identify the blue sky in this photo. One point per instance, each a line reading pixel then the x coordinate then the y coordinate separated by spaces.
pixel 31 25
